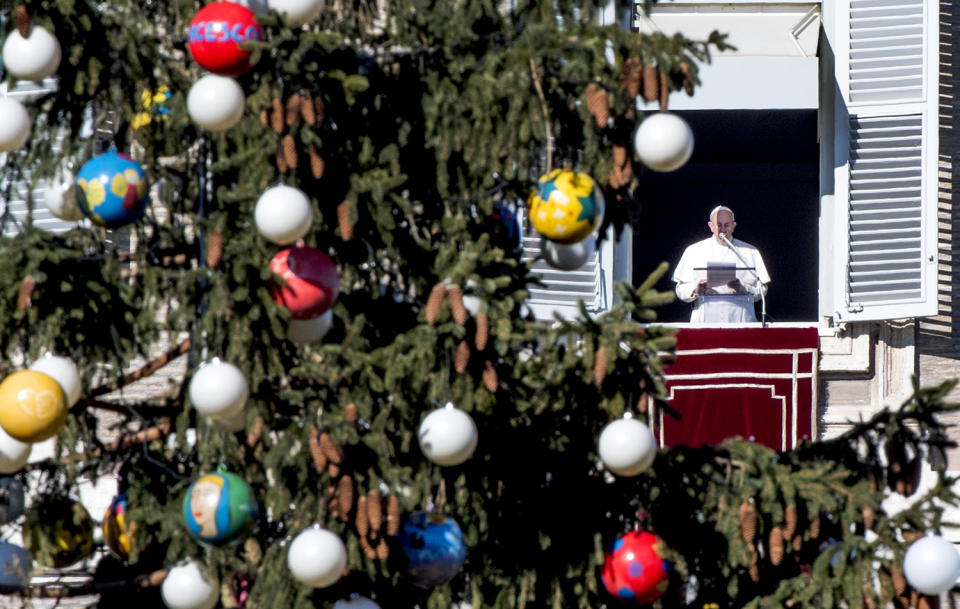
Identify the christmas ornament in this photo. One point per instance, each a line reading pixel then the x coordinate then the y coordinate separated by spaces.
pixel 218 389
pixel 153 104
pixel 60 198
pixel 59 532
pixel 317 557
pixel 283 214
pixel 11 499
pixel 568 257
pixel 216 103
pixel 215 34
pixel 297 12
pixel 433 547
pixel 231 424
pixel 566 206
pixel 219 507
pixel 931 565
pixel 356 602
pixel 627 447
pixel 634 569
pixel 506 232
pixel 312 282
pixel 448 436
pixel 13 453
pixel 32 406
pixel 664 142
pixel 117 531
pixel 14 124
pixel 189 586
pixel 112 190
pixel 32 58
pixel 62 370
pixel 305 331
pixel 16 563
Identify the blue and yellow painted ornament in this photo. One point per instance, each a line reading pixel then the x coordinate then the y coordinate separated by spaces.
pixel 219 507
pixel 112 190
pixel 118 529
pixel 566 206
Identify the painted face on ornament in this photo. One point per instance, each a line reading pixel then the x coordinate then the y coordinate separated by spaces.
pixel 204 501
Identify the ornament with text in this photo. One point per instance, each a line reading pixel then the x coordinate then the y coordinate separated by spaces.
pixel 215 36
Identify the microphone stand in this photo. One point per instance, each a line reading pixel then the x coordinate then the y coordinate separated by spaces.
pixel 763 296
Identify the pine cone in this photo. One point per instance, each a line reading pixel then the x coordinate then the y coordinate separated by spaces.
pixel 664 91
pixel 490 379
pixel 22 20
pixel 345 496
pixel 292 112
pixel 317 163
pixel 26 292
pixel 642 402
pixel 483 331
pixel 754 570
pixel 462 357
pixel 252 552
pixel 308 112
pixel 289 146
pixel 789 521
pixel 280 159
pixel 687 80
pixel 383 550
pixel 651 83
pixel 214 248
pixel 455 297
pixel 600 366
pixel 927 601
pixel 319 459
pixel 868 602
pixel 331 451
pixel 368 550
pixel 362 519
pixel 631 77
pixel 597 104
pixel 815 527
pixel 344 220
pixel 334 470
pixel 748 521
pixel 255 433
pixel 265 116
pixel 797 543
pixel 393 515
pixel 333 501
pixel 869 516
pixel 775 544
pixel 320 109
pixel 898 580
pixel 437 295
pixel 350 412
pixel 374 511
pixel 276 115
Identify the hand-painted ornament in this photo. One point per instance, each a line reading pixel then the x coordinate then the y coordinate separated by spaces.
pixel 218 389
pixel 433 547
pixel 356 602
pixel 61 199
pixel 297 12
pixel 59 532
pixel 215 34
pixel 448 436
pixel 627 447
pixel 13 453
pixel 568 257
pixel 11 499
pixel 32 58
pixel 112 190
pixel 14 124
pixel 506 232
pixel 312 282
pixel 219 507
pixel 62 370
pixel 32 406
pixel 216 103
pixel 566 206
pixel 16 564
pixel 663 142
pixel 317 557
pixel 634 569
pixel 188 585
pixel 283 214
pixel 118 530
pixel 931 565
pixel 305 331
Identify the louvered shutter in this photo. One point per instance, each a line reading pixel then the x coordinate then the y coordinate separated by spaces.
pixel 886 147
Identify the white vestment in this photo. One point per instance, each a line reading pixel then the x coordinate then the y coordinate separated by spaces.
pixel 692 269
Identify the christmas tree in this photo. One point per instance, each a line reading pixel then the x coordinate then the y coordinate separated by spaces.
pixel 325 228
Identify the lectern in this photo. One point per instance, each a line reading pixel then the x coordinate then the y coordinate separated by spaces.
pixel 725 308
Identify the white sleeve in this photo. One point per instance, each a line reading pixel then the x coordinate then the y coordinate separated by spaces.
pixel 685 278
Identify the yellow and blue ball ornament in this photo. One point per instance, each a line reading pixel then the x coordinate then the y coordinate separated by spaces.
pixel 33 406
pixel 112 190
pixel 566 206
pixel 118 529
pixel 219 507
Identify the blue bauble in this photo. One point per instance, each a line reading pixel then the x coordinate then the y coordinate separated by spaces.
pixel 16 563
pixel 112 190
pixel 506 233
pixel 11 499
pixel 434 548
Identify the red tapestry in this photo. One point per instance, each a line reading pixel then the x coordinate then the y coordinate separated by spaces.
pixel 757 383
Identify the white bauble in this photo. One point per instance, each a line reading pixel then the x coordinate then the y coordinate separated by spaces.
pixel 448 436
pixel 297 11
pixel 317 557
pixel 60 198
pixel 664 142
pixel 931 565
pixel 305 331
pixel 627 447
pixel 13 453
pixel 64 371
pixel 216 102
pixel 14 124
pixel 356 602
pixel 32 58
pixel 283 214
pixel 189 586
pixel 471 302
pixel 218 389
pixel 568 257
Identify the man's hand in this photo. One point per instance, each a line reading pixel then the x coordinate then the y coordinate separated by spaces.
pixel 703 289
pixel 736 286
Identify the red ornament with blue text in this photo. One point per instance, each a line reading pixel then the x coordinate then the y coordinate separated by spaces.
pixel 215 35
pixel 634 570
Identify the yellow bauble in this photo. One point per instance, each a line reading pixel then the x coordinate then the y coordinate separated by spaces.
pixel 32 406
pixel 566 206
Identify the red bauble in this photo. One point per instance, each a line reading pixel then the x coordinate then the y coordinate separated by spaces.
pixel 312 281
pixel 634 569
pixel 216 33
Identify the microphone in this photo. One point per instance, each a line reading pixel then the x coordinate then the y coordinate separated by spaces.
pixel 723 237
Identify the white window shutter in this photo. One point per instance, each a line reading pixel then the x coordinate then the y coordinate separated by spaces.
pixel 886 149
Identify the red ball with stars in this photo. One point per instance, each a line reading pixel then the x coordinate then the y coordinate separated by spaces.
pixel 215 34
pixel 312 281
pixel 634 570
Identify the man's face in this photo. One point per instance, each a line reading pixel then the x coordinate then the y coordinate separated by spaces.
pixel 723 224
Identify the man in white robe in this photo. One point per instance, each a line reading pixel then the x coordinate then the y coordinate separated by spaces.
pixel 724 303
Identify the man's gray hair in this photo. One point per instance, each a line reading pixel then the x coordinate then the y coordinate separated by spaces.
pixel 719 208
